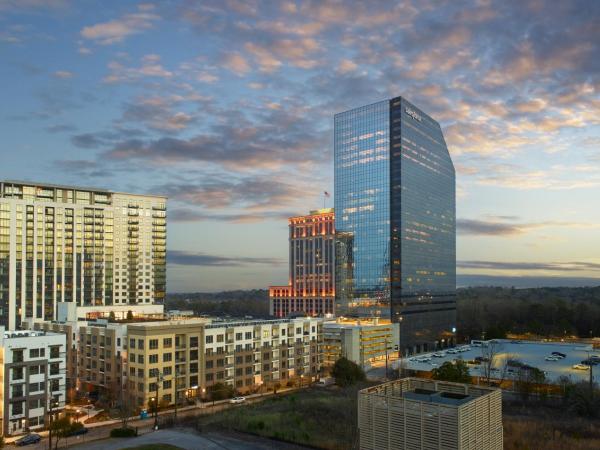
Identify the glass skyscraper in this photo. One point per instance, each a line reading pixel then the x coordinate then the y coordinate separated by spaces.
pixel 395 221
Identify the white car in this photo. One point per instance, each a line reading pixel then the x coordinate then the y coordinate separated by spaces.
pixel 452 351
pixel 236 400
pixel 552 358
pixel 581 367
pixel 439 355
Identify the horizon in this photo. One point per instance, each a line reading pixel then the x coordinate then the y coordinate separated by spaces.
pixel 150 98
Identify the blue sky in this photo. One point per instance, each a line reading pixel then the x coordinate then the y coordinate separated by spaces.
pixel 227 107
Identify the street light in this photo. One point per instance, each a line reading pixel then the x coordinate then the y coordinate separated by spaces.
pixel 159 379
pixel 301 378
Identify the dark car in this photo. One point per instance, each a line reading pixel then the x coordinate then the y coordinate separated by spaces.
pixel 562 355
pixel 32 438
pixel 78 431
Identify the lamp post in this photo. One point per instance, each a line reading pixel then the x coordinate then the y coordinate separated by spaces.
pixel 159 379
pixel 176 392
pixel 301 379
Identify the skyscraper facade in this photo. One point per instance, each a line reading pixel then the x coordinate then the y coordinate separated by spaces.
pixel 311 278
pixel 395 220
pixel 70 244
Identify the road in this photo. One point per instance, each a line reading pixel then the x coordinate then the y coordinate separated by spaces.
pixel 101 430
pixel 192 440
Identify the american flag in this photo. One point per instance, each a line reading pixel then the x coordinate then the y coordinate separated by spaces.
pixel 327 194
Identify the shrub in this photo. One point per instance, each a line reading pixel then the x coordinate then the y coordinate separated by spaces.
pixel 123 432
pixel 449 371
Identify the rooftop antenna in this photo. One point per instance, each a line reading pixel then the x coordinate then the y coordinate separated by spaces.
pixel 326 195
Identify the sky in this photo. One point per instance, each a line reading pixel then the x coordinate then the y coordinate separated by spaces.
pixel 227 108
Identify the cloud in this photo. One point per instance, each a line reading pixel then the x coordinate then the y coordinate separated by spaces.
pixel 150 68
pixel 157 113
pixel 509 226
pixel 63 74
pixel 268 140
pixel 118 30
pixel 236 63
pixel 183 258
pixel 194 215
pixel 535 266
pixel 61 128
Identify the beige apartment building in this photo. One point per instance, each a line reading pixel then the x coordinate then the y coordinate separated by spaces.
pixel 417 413
pixel 182 359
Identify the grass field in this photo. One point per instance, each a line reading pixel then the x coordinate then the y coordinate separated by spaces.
pixel 319 417
pixel 326 418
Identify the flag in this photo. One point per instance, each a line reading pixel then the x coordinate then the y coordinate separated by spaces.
pixel 327 194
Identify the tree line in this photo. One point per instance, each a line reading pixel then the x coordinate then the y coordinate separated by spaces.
pixel 548 312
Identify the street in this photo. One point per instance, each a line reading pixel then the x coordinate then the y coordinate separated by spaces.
pixel 101 430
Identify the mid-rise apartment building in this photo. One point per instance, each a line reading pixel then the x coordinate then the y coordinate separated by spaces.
pixel 362 341
pixel 310 290
pixel 417 413
pixel 32 367
pixel 183 359
pixel 92 247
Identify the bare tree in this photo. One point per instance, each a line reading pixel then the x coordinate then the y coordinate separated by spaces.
pixel 494 362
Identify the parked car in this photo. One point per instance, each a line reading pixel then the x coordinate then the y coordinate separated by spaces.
pixel 236 400
pixel 590 362
pixel 439 354
pixel 559 354
pixel 32 438
pixel 79 431
pixel 581 367
pixel 552 358
pixel 452 351
pixel 323 382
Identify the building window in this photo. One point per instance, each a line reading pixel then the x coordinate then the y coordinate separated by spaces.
pixel 153 359
pixel 167 370
pixel 167 357
pixel 140 343
pixel 238 336
pixel 209 377
pixel 194 367
pixel 152 387
pixel 153 344
pixel 209 339
pixel 168 342
pixel 248 334
pixel 131 343
pixel 167 384
pixel 194 341
pixel 193 355
pixel 220 337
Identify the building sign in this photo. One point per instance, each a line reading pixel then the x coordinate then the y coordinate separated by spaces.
pixel 413 114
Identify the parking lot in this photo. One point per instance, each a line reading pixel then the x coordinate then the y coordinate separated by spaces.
pixel 527 352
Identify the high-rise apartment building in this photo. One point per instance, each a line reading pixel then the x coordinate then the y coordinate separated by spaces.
pixel 311 287
pixel 395 219
pixel 416 413
pixel 91 247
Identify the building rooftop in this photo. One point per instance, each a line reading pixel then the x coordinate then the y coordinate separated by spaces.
pixel 429 391
pixel 28 333
pixel 76 188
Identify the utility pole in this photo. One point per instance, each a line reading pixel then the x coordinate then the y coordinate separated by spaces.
pixel 386 357
pixel 176 392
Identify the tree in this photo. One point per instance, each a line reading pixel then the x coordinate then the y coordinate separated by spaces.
pixel 456 371
pixel 220 391
pixel 528 378
pixel 62 428
pixel 347 373
pixel 490 359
